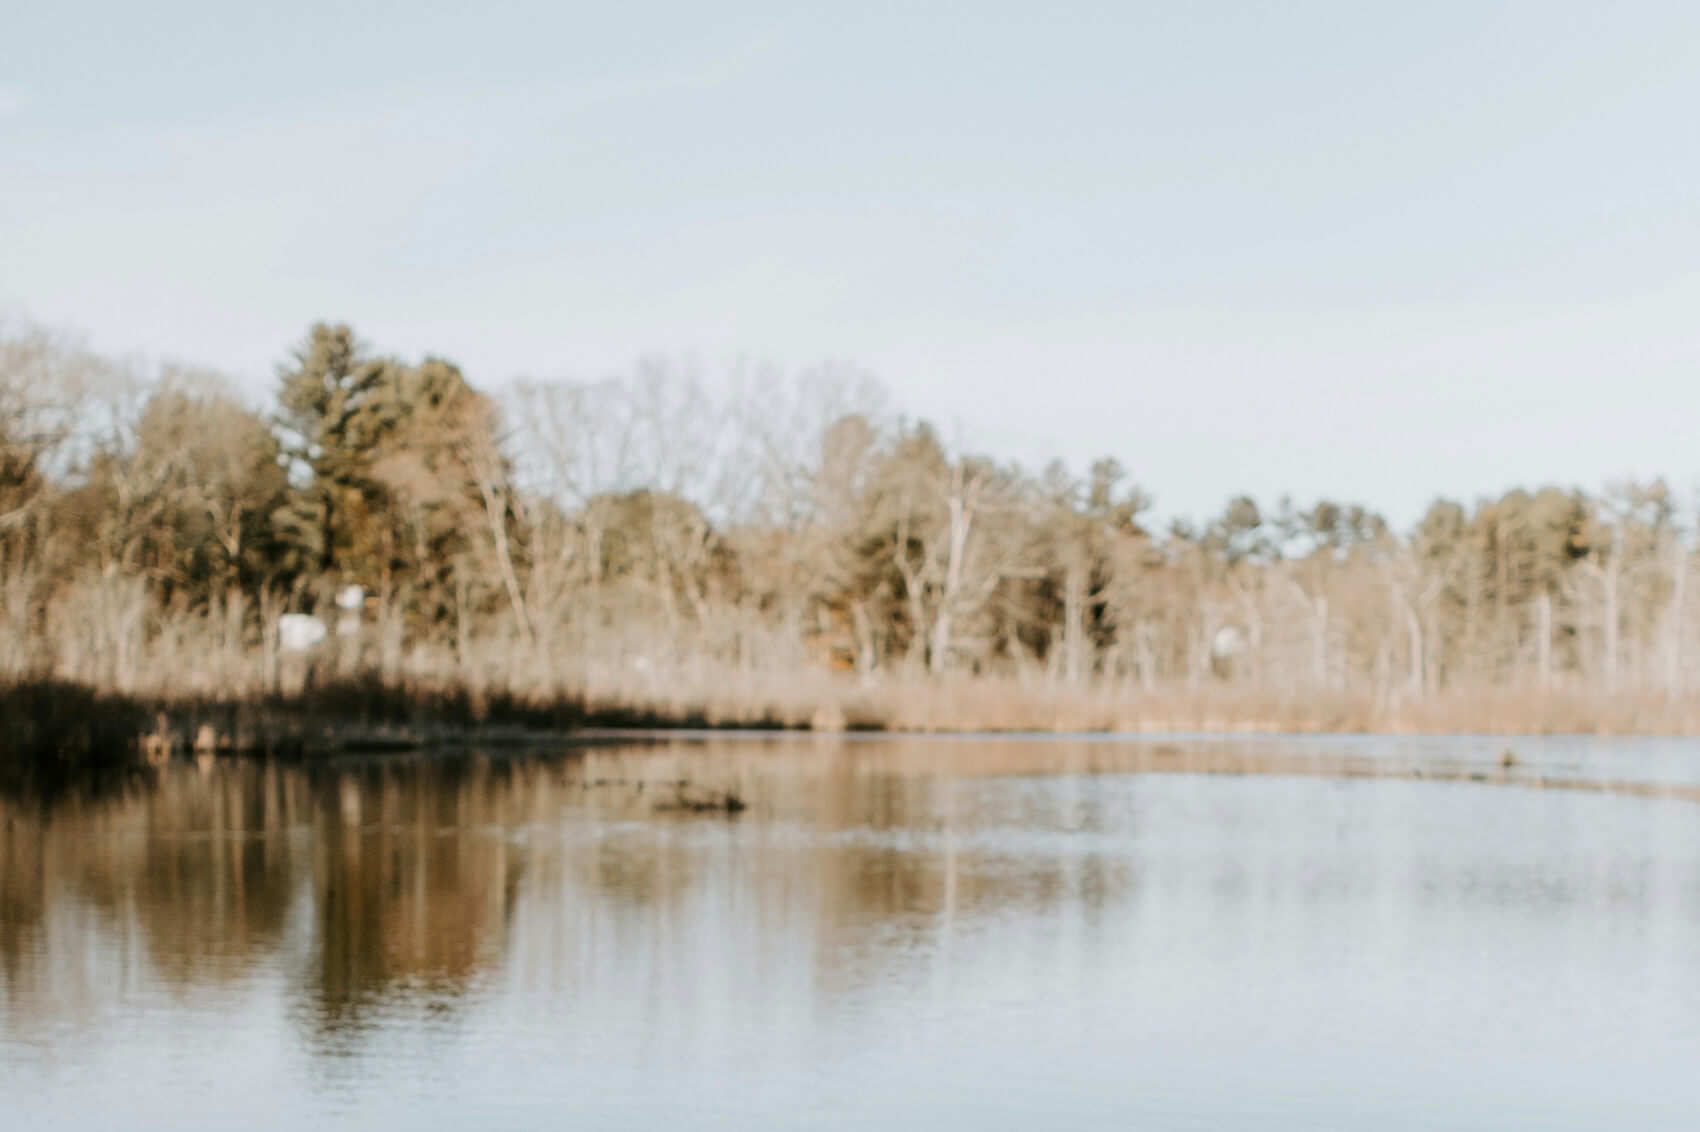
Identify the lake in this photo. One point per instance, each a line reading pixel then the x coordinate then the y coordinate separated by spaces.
pixel 893 932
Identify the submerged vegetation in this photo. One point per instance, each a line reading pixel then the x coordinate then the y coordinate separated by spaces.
pixel 643 552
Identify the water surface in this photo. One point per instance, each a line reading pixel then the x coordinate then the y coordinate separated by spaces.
pixel 896 933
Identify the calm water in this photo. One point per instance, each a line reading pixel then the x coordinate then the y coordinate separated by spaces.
pixel 897 933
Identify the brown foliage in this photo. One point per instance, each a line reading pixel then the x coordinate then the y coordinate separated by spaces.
pixel 646 551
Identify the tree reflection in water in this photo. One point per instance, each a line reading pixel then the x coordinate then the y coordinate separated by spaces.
pixel 374 896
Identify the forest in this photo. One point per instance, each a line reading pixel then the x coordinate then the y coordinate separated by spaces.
pixel 784 550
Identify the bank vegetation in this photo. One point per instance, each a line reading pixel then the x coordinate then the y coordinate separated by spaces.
pixel 656 549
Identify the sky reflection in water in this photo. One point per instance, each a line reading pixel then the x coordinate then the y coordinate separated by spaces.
pixel 897 933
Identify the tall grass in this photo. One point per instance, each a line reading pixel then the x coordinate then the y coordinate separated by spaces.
pixel 50 727
pixel 820 701
pixel 99 684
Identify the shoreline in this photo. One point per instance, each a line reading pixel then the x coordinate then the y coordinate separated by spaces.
pixel 50 726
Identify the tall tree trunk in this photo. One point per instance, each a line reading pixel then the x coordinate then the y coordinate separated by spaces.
pixel 1675 614
pixel 867 657
pixel 1419 660
pixel 1074 618
pixel 463 623
pixel 1319 641
pixel 961 525
pixel 940 651
pixel 1145 657
pixel 1544 657
pixel 1612 616
pixel 496 513
pixel 268 637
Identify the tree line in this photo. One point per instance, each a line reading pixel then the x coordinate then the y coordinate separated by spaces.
pixel 154 527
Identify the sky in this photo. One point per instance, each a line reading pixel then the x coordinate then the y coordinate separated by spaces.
pixel 1374 252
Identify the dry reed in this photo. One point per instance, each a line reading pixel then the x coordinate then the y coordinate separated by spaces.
pixel 52 727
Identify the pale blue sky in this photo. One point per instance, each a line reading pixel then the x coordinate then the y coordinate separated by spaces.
pixel 1369 250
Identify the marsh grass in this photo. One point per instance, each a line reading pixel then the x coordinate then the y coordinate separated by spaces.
pixel 52 727
pixel 195 691
pixel 52 731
